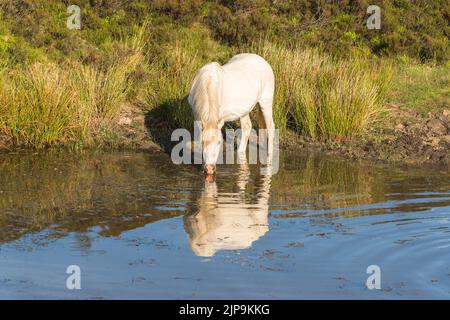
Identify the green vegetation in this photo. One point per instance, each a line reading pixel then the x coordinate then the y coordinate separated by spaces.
pixel 69 87
pixel 45 104
pixel 323 97
pixel 425 87
pixel 172 71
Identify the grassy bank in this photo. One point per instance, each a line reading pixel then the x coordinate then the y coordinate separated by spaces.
pixel 71 87
pixel 45 104
pixel 317 95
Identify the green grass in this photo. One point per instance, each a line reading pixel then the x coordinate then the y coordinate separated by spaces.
pixel 49 104
pixel 172 71
pixel 323 97
pixel 422 87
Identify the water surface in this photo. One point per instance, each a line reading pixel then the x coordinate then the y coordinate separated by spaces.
pixel 141 227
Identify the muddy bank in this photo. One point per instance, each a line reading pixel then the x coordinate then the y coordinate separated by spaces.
pixel 405 137
pixel 409 138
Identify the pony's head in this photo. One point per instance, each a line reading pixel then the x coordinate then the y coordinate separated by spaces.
pixel 211 143
pixel 204 99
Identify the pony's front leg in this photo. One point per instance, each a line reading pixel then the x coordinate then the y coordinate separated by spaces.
pixel 270 133
pixel 246 128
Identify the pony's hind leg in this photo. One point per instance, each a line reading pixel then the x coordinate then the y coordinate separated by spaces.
pixel 262 132
pixel 266 110
pixel 246 128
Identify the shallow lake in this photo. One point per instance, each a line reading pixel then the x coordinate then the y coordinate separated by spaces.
pixel 141 227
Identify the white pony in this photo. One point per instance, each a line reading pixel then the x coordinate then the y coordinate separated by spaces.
pixel 227 93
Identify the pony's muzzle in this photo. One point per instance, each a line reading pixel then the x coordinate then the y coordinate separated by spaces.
pixel 209 168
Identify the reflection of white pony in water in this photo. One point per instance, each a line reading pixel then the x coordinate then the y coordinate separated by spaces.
pixel 228 93
pixel 226 221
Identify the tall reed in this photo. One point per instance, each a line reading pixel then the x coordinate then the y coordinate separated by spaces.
pixel 323 97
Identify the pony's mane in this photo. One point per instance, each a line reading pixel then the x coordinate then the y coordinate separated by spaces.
pixel 204 95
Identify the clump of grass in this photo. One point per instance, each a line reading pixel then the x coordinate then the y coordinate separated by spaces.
pixel 38 105
pixel 171 74
pixel 169 85
pixel 47 104
pixel 101 92
pixel 323 97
